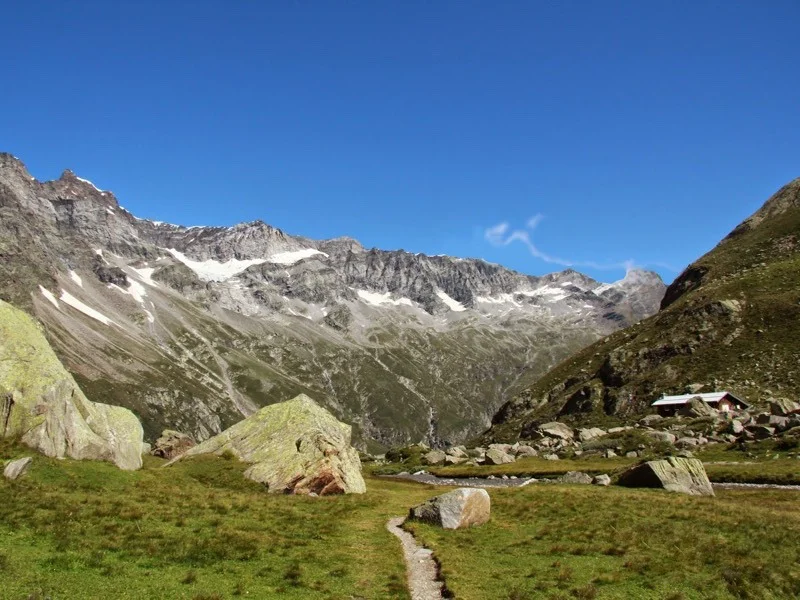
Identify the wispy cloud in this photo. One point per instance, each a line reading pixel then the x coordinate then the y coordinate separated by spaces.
pixel 502 235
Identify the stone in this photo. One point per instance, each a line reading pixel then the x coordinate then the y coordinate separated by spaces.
pixel 17 468
pixel 697 407
pixel 146 448
pixel 459 509
pixel 687 442
pixel 686 454
pixel 660 436
pixel 760 432
pixel 632 454
pixel 576 477
pixel 554 429
pixel 495 456
pixel 783 407
pixel 45 409
pixel 507 448
pixel 434 457
pixel 458 452
pixel 551 457
pixel 293 447
pixel 648 420
pixel 621 429
pixel 172 444
pixel 603 480
pixel 681 475
pixel 524 451
pixel 735 427
pixel 590 434
pixel 779 423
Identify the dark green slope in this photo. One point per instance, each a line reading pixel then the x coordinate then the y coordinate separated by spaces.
pixel 731 321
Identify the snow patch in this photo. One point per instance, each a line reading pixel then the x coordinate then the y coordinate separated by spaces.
pixel 68 298
pixel 213 270
pixel 89 182
pixel 452 304
pixel 110 211
pixel 76 278
pixel 377 299
pixel 49 295
pixel 146 275
pixel 501 299
pixel 551 294
pixel 289 258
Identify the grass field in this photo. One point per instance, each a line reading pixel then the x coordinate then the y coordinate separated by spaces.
pixel 199 530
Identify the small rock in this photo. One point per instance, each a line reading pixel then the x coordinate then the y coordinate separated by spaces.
pixel 464 507
pixel 648 420
pixel 172 444
pixel 434 457
pixel 601 480
pixel 610 453
pixel 632 454
pixel 590 434
pixel 525 451
pixel 551 457
pixel 661 436
pixel 576 477
pixel 554 429
pixel 17 468
pixel 496 456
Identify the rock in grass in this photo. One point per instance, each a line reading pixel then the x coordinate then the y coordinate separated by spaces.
pixel 41 404
pixel 172 444
pixel 603 480
pixel 17 468
pixel 576 477
pixel 557 430
pixel 434 457
pixel 682 475
pixel 496 456
pixel 464 507
pixel 294 447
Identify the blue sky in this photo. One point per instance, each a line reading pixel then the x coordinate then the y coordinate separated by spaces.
pixel 624 131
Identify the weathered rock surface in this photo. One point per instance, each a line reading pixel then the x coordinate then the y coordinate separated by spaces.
pixel 172 444
pixel 294 447
pixel 682 475
pixel 590 434
pixel 697 408
pixel 783 407
pixel 602 480
pixel 464 507
pixel 42 405
pixel 576 477
pixel 557 430
pixel 17 468
pixel 434 457
pixel 496 456
pixel 660 436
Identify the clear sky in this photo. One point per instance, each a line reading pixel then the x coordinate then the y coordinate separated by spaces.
pixel 533 134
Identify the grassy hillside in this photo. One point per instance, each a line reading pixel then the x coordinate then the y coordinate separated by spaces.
pixel 730 321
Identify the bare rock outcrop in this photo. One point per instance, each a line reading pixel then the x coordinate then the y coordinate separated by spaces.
pixel 461 508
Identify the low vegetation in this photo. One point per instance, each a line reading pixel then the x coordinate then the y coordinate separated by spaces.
pixel 200 530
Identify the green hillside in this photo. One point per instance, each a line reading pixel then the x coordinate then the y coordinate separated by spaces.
pixel 730 321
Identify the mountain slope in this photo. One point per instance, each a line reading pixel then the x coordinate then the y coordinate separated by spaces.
pixel 195 327
pixel 730 321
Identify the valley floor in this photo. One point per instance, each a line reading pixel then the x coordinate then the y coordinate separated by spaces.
pixel 199 530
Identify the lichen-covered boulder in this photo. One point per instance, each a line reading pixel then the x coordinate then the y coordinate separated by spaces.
pixel 434 457
pixel 172 444
pixel 293 447
pixel 496 456
pixel 41 404
pixel 576 477
pixel 464 507
pixel 682 475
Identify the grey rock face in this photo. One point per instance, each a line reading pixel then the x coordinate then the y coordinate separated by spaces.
pixel 576 477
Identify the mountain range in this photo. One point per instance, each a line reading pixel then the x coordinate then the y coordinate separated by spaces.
pixel 193 328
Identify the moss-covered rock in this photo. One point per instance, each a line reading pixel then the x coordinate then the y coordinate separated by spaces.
pixel 41 404
pixel 294 447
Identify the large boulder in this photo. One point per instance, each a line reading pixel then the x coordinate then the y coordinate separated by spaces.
pixel 172 444
pixel 590 434
pixel 434 457
pixel 557 430
pixel 496 456
pixel 697 407
pixel 294 447
pixel 783 407
pixel 576 477
pixel 683 475
pixel 17 468
pixel 41 404
pixel 660 436
pixel 464 507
